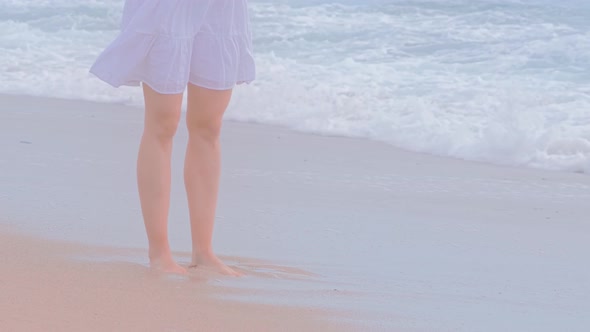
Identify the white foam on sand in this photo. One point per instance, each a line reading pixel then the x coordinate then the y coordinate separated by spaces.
pixel 404 241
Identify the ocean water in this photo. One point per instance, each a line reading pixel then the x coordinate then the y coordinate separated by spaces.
pixel 500 81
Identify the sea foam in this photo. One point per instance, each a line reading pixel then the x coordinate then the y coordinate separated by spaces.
pixel 500 81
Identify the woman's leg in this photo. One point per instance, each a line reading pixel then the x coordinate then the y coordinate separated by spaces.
pixel 162 113
pixel 202 170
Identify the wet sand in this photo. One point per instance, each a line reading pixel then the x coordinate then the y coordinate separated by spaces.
pixel 44 289
pixel 329 230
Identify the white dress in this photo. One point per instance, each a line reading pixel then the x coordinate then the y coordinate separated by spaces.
pixel 169 43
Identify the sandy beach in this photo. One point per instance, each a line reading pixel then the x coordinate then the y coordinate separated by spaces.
pixel 332 233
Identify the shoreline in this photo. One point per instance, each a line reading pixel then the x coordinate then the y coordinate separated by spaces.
pixel 34 100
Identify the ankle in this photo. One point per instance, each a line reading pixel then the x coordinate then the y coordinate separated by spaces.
pixel 203 253
pixel 160 254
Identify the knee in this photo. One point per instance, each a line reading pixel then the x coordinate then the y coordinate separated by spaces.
pixel 204 129
pixel 162 125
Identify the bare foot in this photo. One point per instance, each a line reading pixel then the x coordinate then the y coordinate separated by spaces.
pixel 212 262
pixel 166 265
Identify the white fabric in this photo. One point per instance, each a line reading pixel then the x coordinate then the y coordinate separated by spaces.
pixel 169 43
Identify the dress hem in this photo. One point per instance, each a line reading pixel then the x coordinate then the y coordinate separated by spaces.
pixel 155 87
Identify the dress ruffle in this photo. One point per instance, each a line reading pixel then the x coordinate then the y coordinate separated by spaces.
pixel 170 43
